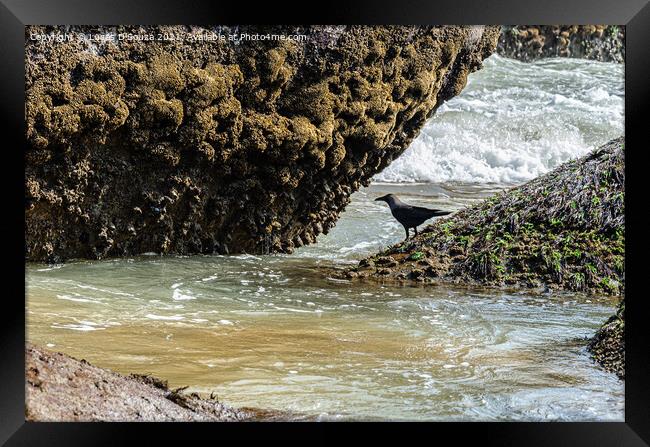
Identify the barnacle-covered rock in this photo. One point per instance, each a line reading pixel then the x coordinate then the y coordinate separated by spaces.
pixel 605 43
pixel 222 146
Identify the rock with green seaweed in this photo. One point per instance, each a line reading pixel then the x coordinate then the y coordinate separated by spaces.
pixel 184 145
pixel 564 230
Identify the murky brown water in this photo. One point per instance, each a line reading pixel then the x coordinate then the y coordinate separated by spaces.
pixel 274 332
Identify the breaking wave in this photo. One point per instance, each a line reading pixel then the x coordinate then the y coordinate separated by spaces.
pixel 515 121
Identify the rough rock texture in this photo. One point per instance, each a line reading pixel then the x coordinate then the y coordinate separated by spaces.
pixel 605 43
pixel 607 347
pixel 563 230
pixel 61 388
pixel 191 146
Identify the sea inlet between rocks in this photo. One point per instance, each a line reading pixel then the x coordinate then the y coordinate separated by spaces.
pixel 275 332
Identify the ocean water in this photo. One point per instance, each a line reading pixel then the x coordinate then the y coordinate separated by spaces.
pixel 276 332
pixel 515 121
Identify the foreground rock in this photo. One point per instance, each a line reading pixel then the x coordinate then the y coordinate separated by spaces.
pixel 192 146
pixel 605 43
pixel 607 347
pixel 61 388
pixel 564 230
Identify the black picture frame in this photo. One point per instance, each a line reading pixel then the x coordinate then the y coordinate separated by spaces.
pixel 15 14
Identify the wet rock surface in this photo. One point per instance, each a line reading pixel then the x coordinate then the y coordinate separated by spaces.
pixel 188 146
pixel 605 43
pixel 62 388
pixel 564 230
pixel 607 347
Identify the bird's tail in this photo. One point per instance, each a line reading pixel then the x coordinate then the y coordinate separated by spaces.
pixel 439 213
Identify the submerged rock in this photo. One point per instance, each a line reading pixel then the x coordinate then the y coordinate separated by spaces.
pixel 177 144
pixel 605 43
pixel 563 230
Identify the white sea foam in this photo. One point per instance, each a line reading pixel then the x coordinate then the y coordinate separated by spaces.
pixel 515 121
pixel 77 298
pixel 77 327
pixel 179 295
pixel 164 317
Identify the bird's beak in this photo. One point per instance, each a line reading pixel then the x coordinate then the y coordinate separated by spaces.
pixel 379 198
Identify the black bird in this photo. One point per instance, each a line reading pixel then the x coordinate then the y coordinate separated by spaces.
pixel 408 215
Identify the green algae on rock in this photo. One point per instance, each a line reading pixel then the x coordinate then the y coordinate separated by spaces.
pixel 605 43
pixel 188 146
pixel 563 230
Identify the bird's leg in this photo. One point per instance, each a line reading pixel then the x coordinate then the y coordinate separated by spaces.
pixel 416 230
pixel 407 234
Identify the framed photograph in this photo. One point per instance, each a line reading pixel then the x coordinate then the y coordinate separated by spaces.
pixel 375 214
